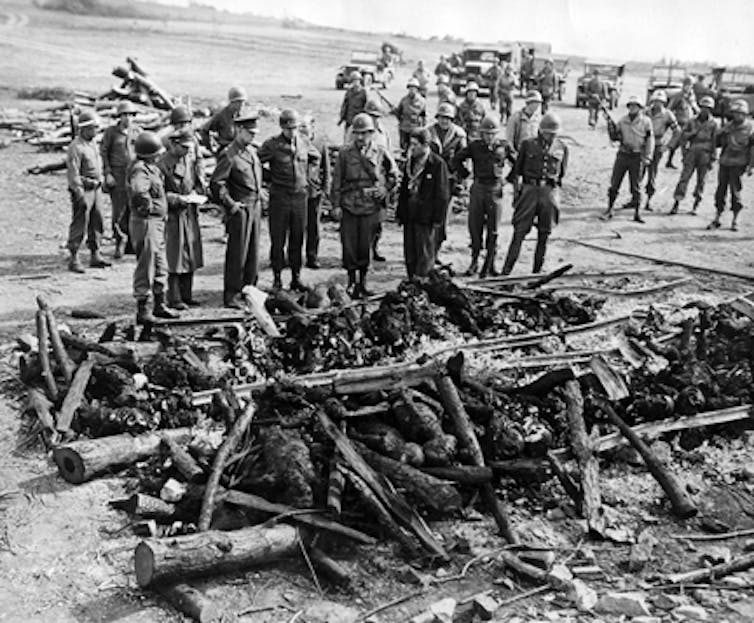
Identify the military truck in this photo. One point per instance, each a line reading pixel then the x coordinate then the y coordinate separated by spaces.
pixel 669 78
pixel 611 74
pixel 373 69
pixel 478 59
pixel 560 65
pixel 730 84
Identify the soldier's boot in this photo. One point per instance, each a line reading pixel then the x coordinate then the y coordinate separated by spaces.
pixel 118 252
pixel 637 218
pixel 697 201
pixel 363 291
pixel 608 214
pixel 277 282
pixel 296 284
pixel 143 315
pixel 351 287
pixel 647 205
pixel 734 224
pixel 539 252
pixel 473 268
pixel 715 224
pixel 186 286
pixel 160 310
pixel 674 209
pixel 97 261
pixel 74 264
pixel 669 162
pixel 174 292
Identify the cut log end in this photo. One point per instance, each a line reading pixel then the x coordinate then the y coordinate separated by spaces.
pixel 144 564
pixel 70 465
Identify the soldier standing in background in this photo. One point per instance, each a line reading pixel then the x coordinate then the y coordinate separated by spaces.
pixel 236 185
pixel 504 88
pixel 524 123
pixel 220 130
pixel 444 92
pixel 470 111
pixel 596 93
pixel 662 121
pixel 698 145
pixel 354 102
pixel 736 156
pixel 547 84
pixel 320 180
pixel 117 150
pixel 422 203
pixel 84 168
pixel 411 112
pixel 443 67
pixel 683 106
pixel 540 168
pixel 363 177
pixel 149 207
pixel 493 75
pixel 289 157
pixel 488 155
pixel 422 77
pixel 382 138
pixel 183 238
pixel 527 70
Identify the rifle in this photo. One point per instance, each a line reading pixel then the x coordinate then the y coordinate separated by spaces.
pixel 387 101
pixel 612 127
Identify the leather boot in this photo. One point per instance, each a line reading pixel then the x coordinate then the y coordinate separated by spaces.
pixel 97 261
pixel 362 286
pixel 160 310
pixel 674 209
pixel 296 284
pixel 174 292
pixel 351 287
pixel 186 287
pixel 143 315
pixel 277 282
pixel 118 252
pixel 697 201
pixel 473 268
pixel 488 259
pixel 74 265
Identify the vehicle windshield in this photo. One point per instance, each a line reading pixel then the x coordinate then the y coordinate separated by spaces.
pixel 606 71
pixel 486 56
pixel 737 77
pixel 669 73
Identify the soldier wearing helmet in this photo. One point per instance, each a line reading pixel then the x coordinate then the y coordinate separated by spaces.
pixel 596 92
pixel 470 111
pixel 411 112
pixel 444 92
pixel 736 157
pixel 117 150
pixel 683 105
pixel 148 203
pixel 636 141
pixel 183 239
pixel 363 177
pixel 443 68
pixel 84 168
pixel 220 130
pixel 289 156
pixel 354 102
pixel 667 133
pixel 320 181
pixel 698 145
pixel 422 77
pixel 181 120
pixel 547 83
pixel 382 138
pixel 540 167
pixel 488 155
pixel 236 184
pixel 504 86
pixel 524 123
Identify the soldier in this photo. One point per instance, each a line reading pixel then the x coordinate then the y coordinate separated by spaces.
pixel 540 168
pixel 149 207
pixel 700 89
pixel 736 156
pixel 492 75
pixel 320 180
pixel 637 145
pixel 422 203
pixel 488 155
pixel 220 130
pixel 117 150
pixel 354 102
pixel 422 77
pixel 504 88
pixel 527 70
pixel 683 106
pixel 547 84
pixel 236 185
pixel 84 167
pixel 382 138
pixel 183 238
pixel 596 93
pixel 524 123
pixel 470 111
pixel 698 146
pixel 446 139
pixel 662 121
pixel 444 92
pixel 411 112
pixel 289 157
pixel 363 177
pixel 443 67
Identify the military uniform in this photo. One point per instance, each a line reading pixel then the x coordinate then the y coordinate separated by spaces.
pixel 222 127
pixel 684 107
pixel 445 95
pixel 547 85
pixel 662 122
pixel 412 114
pixel 446 143
pixel 522 126
pixel 737 154
pixel 320 179
pixel 596 93
pixel 84 168
pixel 117 150
pixel 469 116
pixel 354 102
pixel 637 146
pixel 236 184
pixel 698 143
pixel 541 167
pixel 504 88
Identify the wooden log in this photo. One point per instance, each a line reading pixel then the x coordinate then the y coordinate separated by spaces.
pixel 191 602
pixel 523 470
pixel 73 341
pixel 591 499
pixel 44 356
pixel 230 442
pixel 462 474
pixel 660 287
pixel 183 461
pixel 149 507
pixel 425 489
pixel 519 566
pixel 613 384
pixel 558 272
pixel 565 479
pixel 680 502
pixel 84 459
pixel 336 482
pixel 158 561
pixel 75 395
pixel 328 567
pixel 58 349
pixel 40 405
pixel 544 384
pixel 467 437
pixel 743 563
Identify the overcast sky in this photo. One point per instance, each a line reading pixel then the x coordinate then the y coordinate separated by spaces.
pixel 696 30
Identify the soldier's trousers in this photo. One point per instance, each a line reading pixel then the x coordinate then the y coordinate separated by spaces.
pixel 242 249
pixel 148 237
pixel 357 233
pixel 652 171
pixel 119 201
pixel 313 205
pixel 729 177
pixel 419 248
pixel 287 224
pixel 536 206
pixel 485 212
pixel 626 163
pixel 594 108
pixel 695 160
pixel 86 219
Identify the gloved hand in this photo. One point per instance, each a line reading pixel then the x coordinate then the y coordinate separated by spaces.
pixel 336 213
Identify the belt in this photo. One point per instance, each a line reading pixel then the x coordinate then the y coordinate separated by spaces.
pixel 486 182
pixel 539 182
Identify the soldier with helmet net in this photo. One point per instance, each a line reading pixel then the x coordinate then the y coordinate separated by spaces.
pixel 220 130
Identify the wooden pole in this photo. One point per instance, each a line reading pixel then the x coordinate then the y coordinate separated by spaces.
pixel 75 395
pixel 44 356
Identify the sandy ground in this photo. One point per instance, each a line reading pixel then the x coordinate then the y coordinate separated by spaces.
pixel 57 561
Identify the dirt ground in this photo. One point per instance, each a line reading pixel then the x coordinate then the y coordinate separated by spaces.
pixel 59 561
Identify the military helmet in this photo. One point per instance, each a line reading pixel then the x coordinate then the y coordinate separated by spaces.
pixel 659 96
pixel 472 86
pixel 443 79
pixel 87 118
pixel 148 145
pixel 179 114
pixel 634 99
pixel 533 96
pixel 740 106
pixel 237 94
pixel 288 118
pixel 126 108
pixel 550 123
pixel 687 81
pixel 413 82
pixel 362 123
pixel 707 102
pixel 247 116
pixel 354 75
pixel 183 137
pixel 446 109
pixel 373 108
pixel 489 125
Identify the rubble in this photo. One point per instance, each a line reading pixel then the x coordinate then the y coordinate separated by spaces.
pixel 631 604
